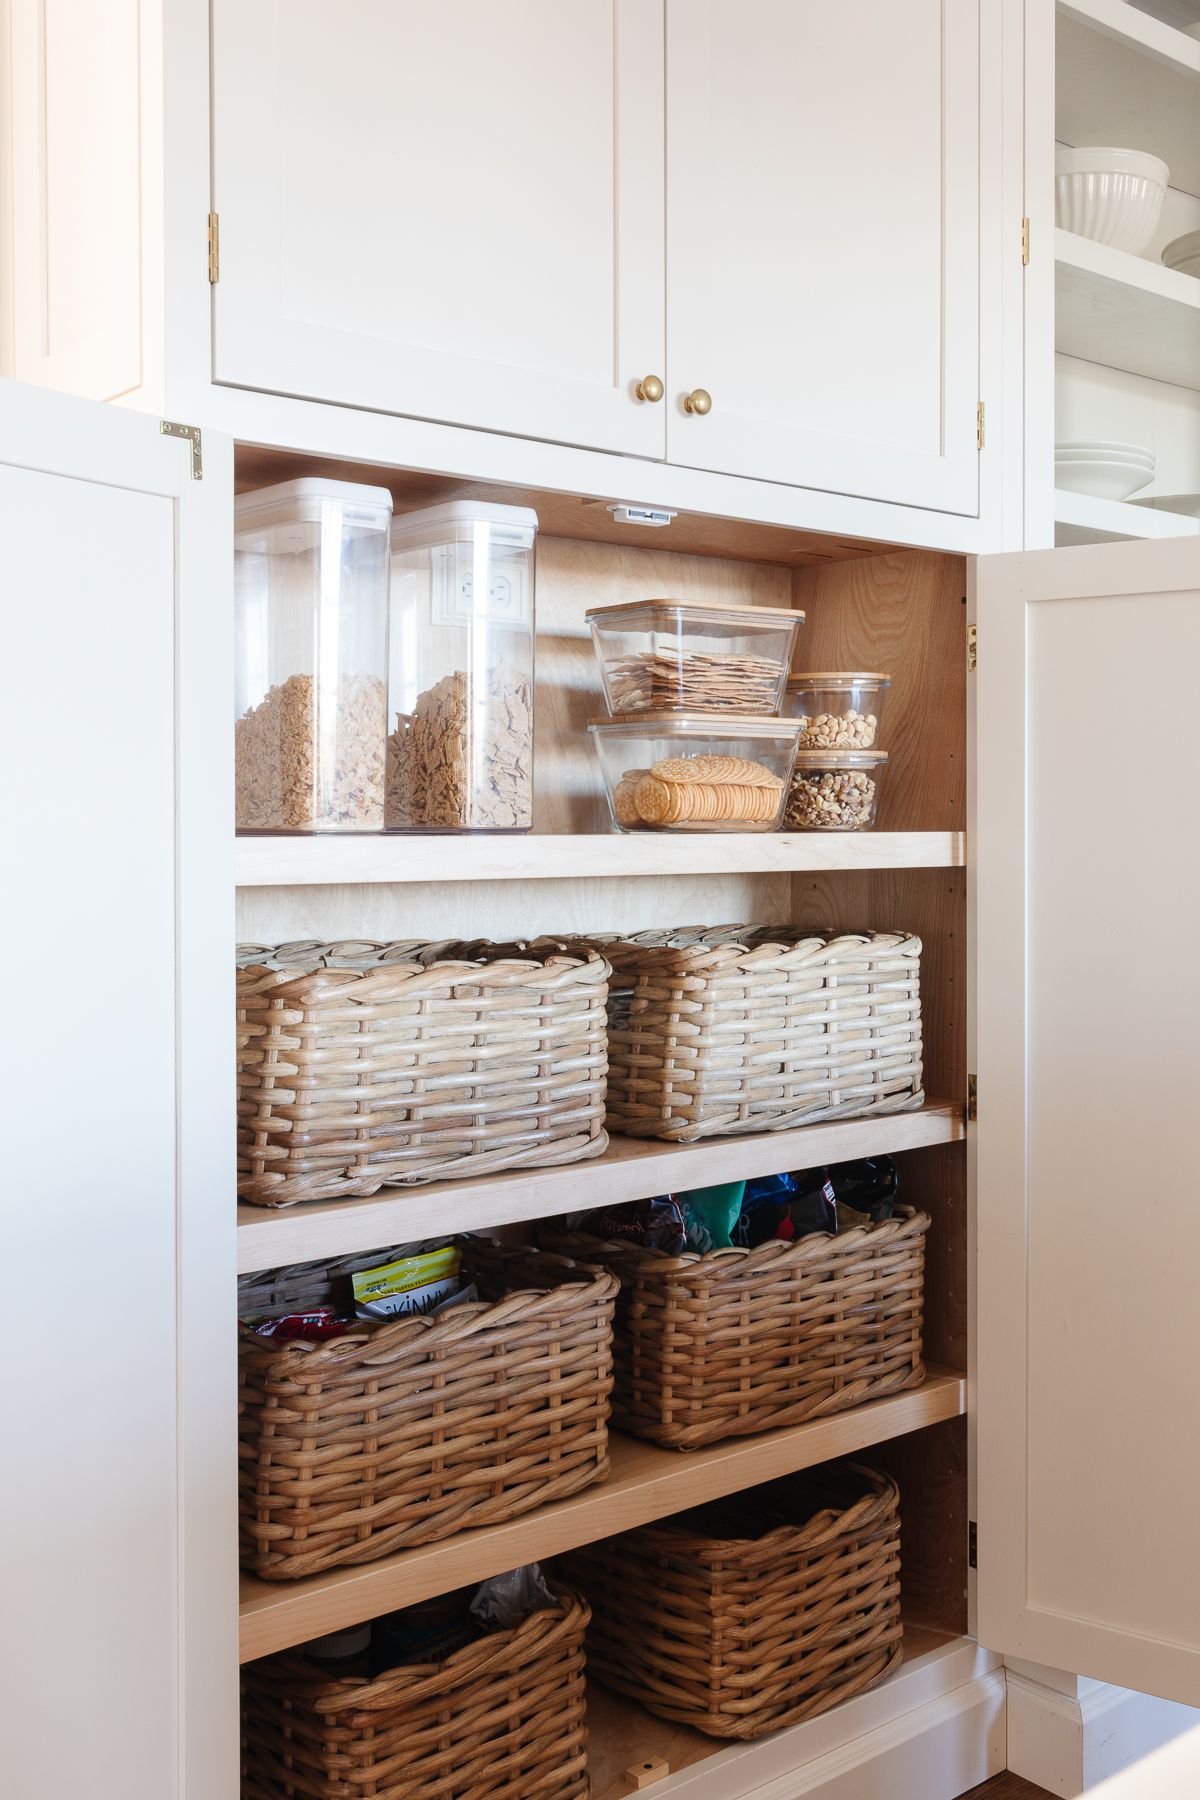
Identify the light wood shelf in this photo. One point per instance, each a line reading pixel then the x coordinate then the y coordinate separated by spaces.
pixel 1082 519
pixel 630 1169
pixel 349 861
pixel 1123 77
pixel 1126 312
pixel 646 1483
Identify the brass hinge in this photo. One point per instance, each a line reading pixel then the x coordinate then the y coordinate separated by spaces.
pixel 979 425
pixel 972 1097
pixel 190 435
pixel 1024 241
pixel 972 1544
pixel 972 648
pixel 214 247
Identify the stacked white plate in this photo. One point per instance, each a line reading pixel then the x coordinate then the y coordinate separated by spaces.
pixel 1107 470
pixel 1183 253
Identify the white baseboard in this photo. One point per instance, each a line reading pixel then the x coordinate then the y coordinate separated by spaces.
pixel 1066 1733
pixel 936 1729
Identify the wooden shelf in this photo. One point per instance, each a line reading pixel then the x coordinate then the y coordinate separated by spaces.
pixel 631 1169
pixel 646 1483
pixel 1125 312
pixel 1125 78
pixel 1082 519
pixel 343 861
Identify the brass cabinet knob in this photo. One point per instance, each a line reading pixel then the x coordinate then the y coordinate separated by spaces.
pixel 698 401
pixel 649 388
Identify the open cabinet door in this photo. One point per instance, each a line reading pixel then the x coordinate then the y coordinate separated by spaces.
pixel 1087 882
pixel 117 1405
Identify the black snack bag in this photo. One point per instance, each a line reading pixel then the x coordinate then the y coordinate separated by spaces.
pixel 869 1186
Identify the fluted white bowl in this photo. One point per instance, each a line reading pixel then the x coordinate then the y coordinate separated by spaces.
pixel 1104 480
pixel 1183 253
pixel 1110 195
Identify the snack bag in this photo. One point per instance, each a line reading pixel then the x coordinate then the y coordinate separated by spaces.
pixel 412 1285
pixel 711 1213
pixel 507 1599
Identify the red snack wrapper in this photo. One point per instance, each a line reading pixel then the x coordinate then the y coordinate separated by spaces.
pixel 318 1322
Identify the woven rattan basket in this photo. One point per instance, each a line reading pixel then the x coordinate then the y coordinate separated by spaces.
pixel 501 1719
pixel 362 1445
pixel 742 1029
pixel 755 1612
pixel 362 1064
pixel 738 1341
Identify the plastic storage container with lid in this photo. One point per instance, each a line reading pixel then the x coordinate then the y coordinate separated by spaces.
pixel 834 790
pixel 691 657
pixel 460 750
pixel 311 583
pixel 692 772
pixel 837 711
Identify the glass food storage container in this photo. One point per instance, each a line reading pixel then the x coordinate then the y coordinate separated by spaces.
pixel 685 657
pixel 311 583
pixel 688 772
pixel 460 751
pixel 836 712
pixel 834 790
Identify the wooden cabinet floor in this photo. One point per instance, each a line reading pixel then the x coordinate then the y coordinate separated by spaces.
pixel 1005 1787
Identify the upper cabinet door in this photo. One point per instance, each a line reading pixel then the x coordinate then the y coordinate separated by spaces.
pixel 823 243
pixel 450 209
pixel 1087 872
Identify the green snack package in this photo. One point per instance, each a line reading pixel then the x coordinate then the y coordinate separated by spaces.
pixel 710 1214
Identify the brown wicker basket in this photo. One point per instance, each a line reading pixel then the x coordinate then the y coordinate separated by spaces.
pixel 742 1029
pixel 501 1719
pixel 361 1064
pixel 738 1341
pixel 362 1445
pixel 754 1612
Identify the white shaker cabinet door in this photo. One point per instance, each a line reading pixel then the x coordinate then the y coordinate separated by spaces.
pixel 823 243
pixel 1087 882
pixel 450 209
pixel 118 1557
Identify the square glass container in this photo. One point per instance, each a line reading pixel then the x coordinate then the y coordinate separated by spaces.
pixel 679 656
pixel 834 790
pixel 460 745
pixel 691 772
pixel 310 683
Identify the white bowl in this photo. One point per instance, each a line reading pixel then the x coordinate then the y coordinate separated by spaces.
pixel 1068 446
pixel 1082 453
pixel 1183 253
pixel 1104 480
pixel 1110 195
pixel 1109 462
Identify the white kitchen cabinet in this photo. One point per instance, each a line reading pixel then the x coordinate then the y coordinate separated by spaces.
pixel 449 209
pixel 1084 1234
pixel 116 1409
pixel 1087 866
pixel 437 236
pixel 823 244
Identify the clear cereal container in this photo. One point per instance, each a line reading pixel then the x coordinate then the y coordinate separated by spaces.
pixel 676 656
pixel 837 712
pixel 310 683
pixel 460 743
pixel 834 790
pixel 690 772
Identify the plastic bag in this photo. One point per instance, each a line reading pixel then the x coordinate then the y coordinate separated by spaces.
pixel 711 1213
pixel 505 1600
